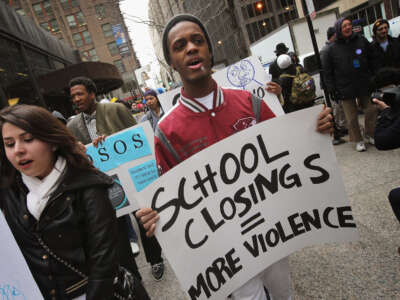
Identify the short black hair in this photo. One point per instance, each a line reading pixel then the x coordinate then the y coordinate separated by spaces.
pixel 86 82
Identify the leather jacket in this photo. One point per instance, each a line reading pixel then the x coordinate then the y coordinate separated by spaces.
pixel 78 224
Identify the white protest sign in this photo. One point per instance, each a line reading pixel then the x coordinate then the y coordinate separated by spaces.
pixel 16 281
pixel 128 157
pixel 248 201
pixel 247 74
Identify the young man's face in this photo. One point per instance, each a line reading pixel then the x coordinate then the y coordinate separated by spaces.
pixel 347 28
pixel 83 100
pixel 189 52
pixel 382 32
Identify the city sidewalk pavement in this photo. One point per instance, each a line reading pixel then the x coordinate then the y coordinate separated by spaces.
pixel 367 269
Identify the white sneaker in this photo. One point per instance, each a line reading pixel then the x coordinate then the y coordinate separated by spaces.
pixel 360 147
pixel 135 248
pixel 369 140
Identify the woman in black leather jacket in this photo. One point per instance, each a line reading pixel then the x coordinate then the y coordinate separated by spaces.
pixel 51 195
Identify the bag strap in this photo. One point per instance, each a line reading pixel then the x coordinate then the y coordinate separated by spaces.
pixel 71 267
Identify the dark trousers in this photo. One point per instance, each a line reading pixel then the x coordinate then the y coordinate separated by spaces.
pixel 394 199
pixel 151 247
pixel 126 257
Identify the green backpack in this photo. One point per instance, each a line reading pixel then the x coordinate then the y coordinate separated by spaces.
pixel 303 87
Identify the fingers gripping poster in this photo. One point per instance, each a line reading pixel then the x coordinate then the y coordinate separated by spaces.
pixel 247 74
pixel 248 201
pixel 128 157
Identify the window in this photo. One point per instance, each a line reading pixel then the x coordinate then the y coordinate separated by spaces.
pixel 43 9
pixel 107 29
pixel 75 20
pixel 71 21
pixel 68 4
pixel 112 47
pixel 90 55
pixel 51 26
pixel 82 38
pixel 100 11
pixel 120 65
pixel 20 11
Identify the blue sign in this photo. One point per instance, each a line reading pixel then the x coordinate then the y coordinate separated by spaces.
pixel 144 174
pixel 119 149
pixel 119 35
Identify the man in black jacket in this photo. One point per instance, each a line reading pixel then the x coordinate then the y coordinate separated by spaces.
pixel 348 66
pixel 340 121
pixel 274 70
pixel 385 48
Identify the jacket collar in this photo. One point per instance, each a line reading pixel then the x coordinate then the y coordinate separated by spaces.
pixel 196 106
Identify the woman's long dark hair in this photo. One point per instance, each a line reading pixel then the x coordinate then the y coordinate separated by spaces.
pixel 45 127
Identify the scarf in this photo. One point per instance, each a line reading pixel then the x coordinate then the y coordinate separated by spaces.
pixel 40 190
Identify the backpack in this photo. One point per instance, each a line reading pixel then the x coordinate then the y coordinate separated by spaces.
pixel 303 87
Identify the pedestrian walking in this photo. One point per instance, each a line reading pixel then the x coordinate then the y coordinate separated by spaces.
pixel 57 207
pixel 386 49
pixel 348 66
pixel 94 122
pixel 274 69
pixel 205 114
pixel 340 129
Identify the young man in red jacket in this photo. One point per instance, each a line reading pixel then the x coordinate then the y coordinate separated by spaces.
pixel 204 115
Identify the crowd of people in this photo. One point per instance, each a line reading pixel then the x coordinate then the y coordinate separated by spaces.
pixel 56 203
pixel 349 64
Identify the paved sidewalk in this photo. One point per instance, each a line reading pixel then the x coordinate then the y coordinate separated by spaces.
pixel 367 269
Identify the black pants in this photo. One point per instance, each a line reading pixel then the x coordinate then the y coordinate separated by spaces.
pixel 126 257
pixel 394 199
pixel 151 247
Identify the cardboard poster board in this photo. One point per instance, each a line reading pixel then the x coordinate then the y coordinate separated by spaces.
pixel 16 281
pixel 128 157
pixel 248 201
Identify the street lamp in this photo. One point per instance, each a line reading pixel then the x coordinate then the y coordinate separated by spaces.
pixel 260 6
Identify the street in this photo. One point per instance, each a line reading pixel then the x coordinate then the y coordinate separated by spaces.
pixel 367 269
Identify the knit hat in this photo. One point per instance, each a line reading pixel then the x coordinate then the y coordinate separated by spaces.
pixel 182 18
pixel 150 92
pixel 330 32
pixel 378 23
pixel 284 61
pixel 281 49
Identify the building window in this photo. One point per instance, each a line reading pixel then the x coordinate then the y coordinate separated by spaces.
pixel 82 38
pixel 107 29
pixel 100 11
pixel 112 47
pixel 91 55
pixel 75 20
pixel 68 4
pixel 51 26
pixel 43 9
pixel 120 65
pixel 20 11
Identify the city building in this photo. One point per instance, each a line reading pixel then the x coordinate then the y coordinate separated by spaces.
pixel 159 12
pixel 94 27
pixel 363 12
pixel 35 67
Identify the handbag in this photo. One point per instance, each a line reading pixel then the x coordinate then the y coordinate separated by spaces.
pixel 126 285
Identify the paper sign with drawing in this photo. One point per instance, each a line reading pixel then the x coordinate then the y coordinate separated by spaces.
pixel 248 201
